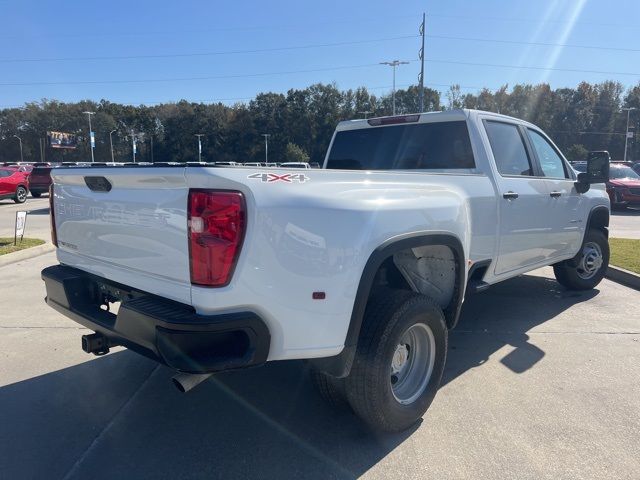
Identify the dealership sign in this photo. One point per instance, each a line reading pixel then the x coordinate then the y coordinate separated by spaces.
pixel 62 140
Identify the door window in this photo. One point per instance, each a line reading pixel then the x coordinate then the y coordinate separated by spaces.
pixel 508 149
pixel 550 161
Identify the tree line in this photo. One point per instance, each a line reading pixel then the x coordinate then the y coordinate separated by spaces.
pixel 301 122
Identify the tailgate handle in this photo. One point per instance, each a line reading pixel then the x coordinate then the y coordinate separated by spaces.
pixel 98 184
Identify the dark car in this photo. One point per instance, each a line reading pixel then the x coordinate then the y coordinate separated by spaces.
pixel 39 181
pixel 13 184
pixel 623 186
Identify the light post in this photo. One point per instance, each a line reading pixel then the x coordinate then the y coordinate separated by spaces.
pixel 266 147
pixel 394 64
pixel 626 132
pixel 111 143
pixel 199 135
pixel 91 135
pixel 20 140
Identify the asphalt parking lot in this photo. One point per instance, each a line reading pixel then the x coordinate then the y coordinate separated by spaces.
pixel 540 383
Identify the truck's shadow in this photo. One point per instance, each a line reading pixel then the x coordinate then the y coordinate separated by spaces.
pixel 119 416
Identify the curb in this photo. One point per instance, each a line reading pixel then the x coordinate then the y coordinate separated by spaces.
pixel 623 277
pixel 25 254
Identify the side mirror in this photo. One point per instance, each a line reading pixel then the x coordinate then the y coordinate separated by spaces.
pixel 597 171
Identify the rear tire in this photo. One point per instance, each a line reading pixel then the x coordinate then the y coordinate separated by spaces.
pixel 21 195
pixel 399 360
pixel 36 194
pixel 331 389
pixel 590 268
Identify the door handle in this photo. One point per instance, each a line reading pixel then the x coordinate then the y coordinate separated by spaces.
pixel 555 194
pixel 510 195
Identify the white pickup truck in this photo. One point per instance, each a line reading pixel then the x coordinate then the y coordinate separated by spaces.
pixel 360 267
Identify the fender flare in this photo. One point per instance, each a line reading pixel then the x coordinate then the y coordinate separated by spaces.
pixel 340 365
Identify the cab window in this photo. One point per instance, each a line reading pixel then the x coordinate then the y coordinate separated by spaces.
pixel 550 160
pixel 508 149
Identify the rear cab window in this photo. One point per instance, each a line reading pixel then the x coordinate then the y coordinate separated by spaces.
pixel 508 149
pixel 421 146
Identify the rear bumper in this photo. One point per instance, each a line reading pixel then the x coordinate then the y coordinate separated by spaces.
pixel 169 332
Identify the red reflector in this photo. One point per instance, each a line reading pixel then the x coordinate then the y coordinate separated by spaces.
pixel 216 222
pixel 393 120
pixel 52 218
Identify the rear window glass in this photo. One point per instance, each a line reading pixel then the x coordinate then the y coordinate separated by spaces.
pixel 430 146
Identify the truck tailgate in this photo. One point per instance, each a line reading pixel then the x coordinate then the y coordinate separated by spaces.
pixel 136 223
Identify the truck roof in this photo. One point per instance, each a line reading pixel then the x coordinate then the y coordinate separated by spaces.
pixel 446 115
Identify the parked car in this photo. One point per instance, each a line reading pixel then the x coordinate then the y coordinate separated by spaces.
pixel 13 184
pixel 360 267
pixel 623 186
pixel 39 181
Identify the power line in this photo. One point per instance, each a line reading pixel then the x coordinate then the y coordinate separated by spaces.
pixel 526 67
pixel 206 54
pixel 191 31
pixel 531 20
pixel 542 44
pixel 187 79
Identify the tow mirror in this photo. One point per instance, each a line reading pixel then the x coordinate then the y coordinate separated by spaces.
pixel 597 171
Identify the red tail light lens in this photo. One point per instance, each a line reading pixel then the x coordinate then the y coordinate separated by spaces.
pixel 216 222
pixel 52 218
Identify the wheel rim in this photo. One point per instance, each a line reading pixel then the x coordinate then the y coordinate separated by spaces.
pixel 21 194
pixel 412 363
pixel 591 261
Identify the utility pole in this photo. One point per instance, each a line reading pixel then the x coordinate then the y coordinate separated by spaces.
pixel 20 140
pixel 266 147
pixel 626 132
pixel 394 64
pixel 199 135
pixel 421 78
pixel 133 145
pixel 151 140
pixel 365 114
pixel 91 135
pixel 111 143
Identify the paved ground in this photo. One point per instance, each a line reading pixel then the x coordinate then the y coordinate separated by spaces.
pixel 625 223
pixel 540 383
pixel 37 220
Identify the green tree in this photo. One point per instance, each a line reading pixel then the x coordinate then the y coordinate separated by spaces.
pixel 293 153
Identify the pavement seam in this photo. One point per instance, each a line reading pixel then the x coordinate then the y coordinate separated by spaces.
pixel 511 332
pixel 23 327
pixel 97 438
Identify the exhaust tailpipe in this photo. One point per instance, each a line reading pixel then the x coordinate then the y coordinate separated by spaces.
pixel 186 381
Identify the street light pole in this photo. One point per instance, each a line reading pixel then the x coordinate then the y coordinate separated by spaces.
pixel 266 147
pixel 626 132
pixel 111 143
pixel 91 136
pixel 394 64
pixel 20 140
pixel 199 135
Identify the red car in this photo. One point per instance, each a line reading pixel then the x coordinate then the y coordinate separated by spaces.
pixel 13 184
pixel 39 180
pixel 623 186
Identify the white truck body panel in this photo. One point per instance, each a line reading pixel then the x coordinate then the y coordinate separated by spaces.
pixel 314 235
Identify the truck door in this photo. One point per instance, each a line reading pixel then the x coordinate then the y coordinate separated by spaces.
pixel 523 222
pixel 565 205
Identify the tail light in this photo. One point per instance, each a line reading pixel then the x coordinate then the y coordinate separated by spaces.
pixel 216 222
pixel 52 218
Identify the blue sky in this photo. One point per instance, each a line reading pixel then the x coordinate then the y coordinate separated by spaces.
pixel 76 32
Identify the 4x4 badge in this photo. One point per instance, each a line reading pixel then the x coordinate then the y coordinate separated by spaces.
pixel 279 177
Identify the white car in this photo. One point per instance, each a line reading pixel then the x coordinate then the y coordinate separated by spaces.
pixel 360 268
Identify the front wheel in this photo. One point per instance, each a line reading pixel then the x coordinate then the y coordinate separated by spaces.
pixel 399 360
pixel 21 195
pixel 591 266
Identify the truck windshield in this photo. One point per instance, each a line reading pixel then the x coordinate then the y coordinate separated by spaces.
pixel 438 145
